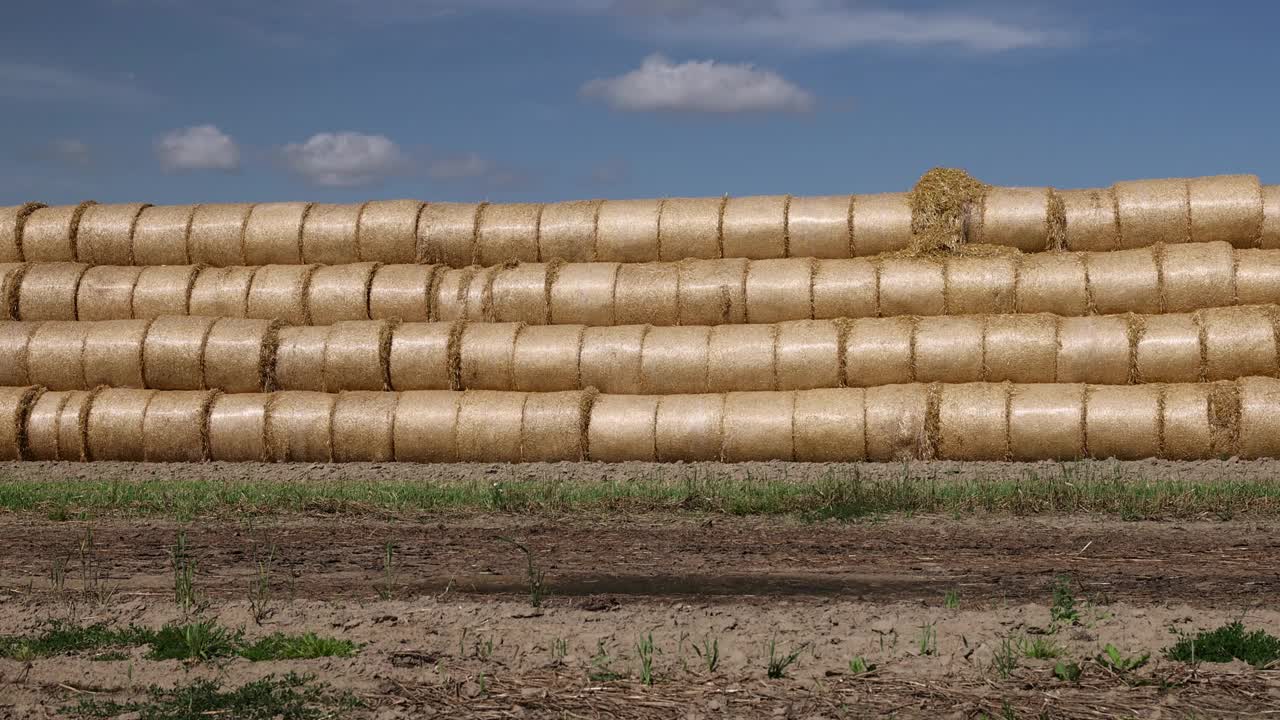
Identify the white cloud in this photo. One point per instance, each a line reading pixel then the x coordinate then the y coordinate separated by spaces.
pixel 201 147
pixel 706 86
pixel 70 151
pixel 345 159
pixel 43 83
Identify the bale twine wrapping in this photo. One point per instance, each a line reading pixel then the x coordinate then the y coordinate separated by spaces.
pixel 15 404
pixel 779 290
pixel 1259 435
pixel 449 294
pixel 611 357
pixel 675 360
pixel 489 426
pixel 896 422
pixel 113 354
pixel 217 234
pixel 755 227
pixel 689 428
pixel 522 293
pixel 1094 350
pixel 1123 422
pixel 973 422
pixel 388 231
pixel 568 231
pixel 623 427
pixel 807 355
pixel 10 282
pixel 690 228
pixel 279 292
pixel 1124 281
pixel 1226 208
pixel 273 233
pixel 508 232
pixel 221 292
pixel 115 425
pixel 175 426
pixel 845 289
pixel 546 358
pixel 299 361
pixel 164 290
pixel 15 337
pixel 758 426
pixel 948 349
pixel 878 351
pixel 1046 422
pixel 1239 342
pixel 647 293
pixel 160 235
pixel 401 292
pixel 819 227
pixel 47 291
pixel 1015 217
pixel 364 427
pixel 713 292
pixel 981 285
pixel 912 286
pixel 554 426
pixel 105 235
pixel 1168 349
pixel 627 231
pixel 1197 275
pixel 478 305
pixel 486 352
pixel 55 355
pixel 238 427
pixel 881 223
pixel 173 352
pixel 942 202
pixel 340 292
pixel 1052 283
pixel 1021 348
pixel 425 425
pixel 12 219
pixel 743 357
pixel 42 426
pixel 1185 432
pixel 240 355
pixel 1090 219
pixel 73 425
pixel 357 356
pixel 1152 211
pixel 329 234
pixel 447 233
pixel 583 294
pixel 49 233
pixel 1270 217
pixel 424 356
pixel 299 427
pixel 828 425
pixel 1257 276
pixel 106 292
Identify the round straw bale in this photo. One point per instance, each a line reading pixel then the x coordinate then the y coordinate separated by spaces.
pixel 12 219
pixel 15 338
pixel 329 234
pixel 878 351
pixel 807 355
pixel 647 293
pixel 568 231
pixel 1090 219
pixel 755 227
pixel 973 421
pixel 164 290
pixel 583 294
pixel 948 349
pixel 1094 350
pixel 424 356
pixel 627 231
pixel 623 427
pixel 508 232
pixel 689 428
pixel 554 426
pixel 611 357
pixel 175 426
pixel 690 228
pixel 221 292
pixel 449 294
pixel 299 361
pixel 981 284
pixel 357 356
pixel 273 233
pixel 160 235
pixel 819 227
pixel 239 355
pixel 425 425
pixel 1015 217
pixel 364 426
pixel 55 355
pixel 845 289
pixel 299 427
pixel 1021 348
pixel 521 293
pixel 546 358
pixel 713 292
pixel 912 286
pixel 1226 208
pixel 1046 422
pixel 447 233
pixel 49 233
pixel 401 292
pixel 115 425
pixel 1238 342
pixel 675 360
pixel 106 292
pixel 1052 283
pixel 113 354
pixel 1197 275
pixel 881 223
pixel 217 234
pixel 743 357
pixel 48 291
pixel 340 292
pixel 73 425
pixel 105 235
pixel 1124 281
pixel 1224 418
pixel 896 422
pixel 15 404
pixel 1184 415
pixel 1152 211
pixel 486 352
pixel 388 231
pixel 1168 349
pixel 10 282
pixel 1259 418
pixel 758 426
pixel 1123 422
pixel 42 426
pixel 173 353
pixel 1257 276
pixel 279 292
pixel 828 425
pixel 489 426
pixel 1270 217
pixel 780 290
pixel 479 295
pixel 238 427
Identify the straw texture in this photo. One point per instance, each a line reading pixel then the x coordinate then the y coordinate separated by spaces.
pixel 895 422
pixel 1257 276
pixel 449 293
pixel 298 427
pixel 364 427
pixel 973 422
pixel 173 353
pixel 943 202
pixel 164 290
pixel 1123 422
pixel 217 234
pixel 339 292
pixel 689 428
pixel 273 233
pixel 221 292
pixel 583 294
pixel 1270 217
pixel 568 231
pixel 113 354
pixel 73 425
pixel 329 234
pixel 508 233
pixel 1185 429
pixel 175 427
pixel 1015 217
pixel 546 358
pixel 1226 208
pixel 424 356
pixel 627 231
pixel 1238 342
pixel 915 286
pixel 48 234
pixel 1053 283
pixel 48 291
pixel 755 227
pixel 478 296
pixel 553 425
pixel 690 228
pixel 239 355
pixel 611 358
pixel 979 285
pixel 15 404
pixel 881 223
pixel 713 292
pixel 238 428
pixel 1090 219
pixel 106 292
pixel 743 357
pixel 490 426
pixel 388 231
pixel 879 352
pixel 647 294
pixel 10 283
pixel 819 227
pixel 521 294
pixel 676 360
pixel 1046 422
pixel 160 235
pixel 758 426
pixel 948 349
pixel 829 425
pixel 279 292
pixel 623 427
pixel 486 353
pixel 779 290
pixel 1124 281
pixel 425 425
pixel 1259 420
pixel 15 337
pixel 300 357
pixel 115 425
pixel 807 355
pixel 846 289
pixel 447 234
pixel 55 355
pixel 1168 349
pixel 357 356
pixel 1152 211
pixel 1197 275
pixel 12 219
pixel 1094 350
pixel 401 292
pixel 41 427
pixel 1020 348
pixel 105 234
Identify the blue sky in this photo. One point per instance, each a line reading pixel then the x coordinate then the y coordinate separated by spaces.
pixel 169 101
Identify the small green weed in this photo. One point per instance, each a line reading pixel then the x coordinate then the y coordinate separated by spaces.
pixel 184 574
pixel 65 638
pixel 1005 658
pixel 1112 659
pixel 297 647
pixel 859 666
pixel 198 641
pixel 644 649
pixel 1067 671
pixel 601 665
pixel 1229 642
pixel 535 576
pixel 952 600
pixel 778 663
pixel 928 640
pixel 559 648
pixel 292 697
pixel 710 653
pixel 1064 611
pixel 387 588
pixel 1039 648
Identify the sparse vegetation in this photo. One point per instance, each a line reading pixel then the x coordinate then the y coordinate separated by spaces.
pixel 778 663
pixel 1116 661
pixel 928 640
pixel 1063 612
pixel 387 587
pixel 534 575
pixel 952 600
pixel 644 649
pixel 291 697
pixel 1039 648
pixel 1224 644
pixel 184 574
pixel 710 653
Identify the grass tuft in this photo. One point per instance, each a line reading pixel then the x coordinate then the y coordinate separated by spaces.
pixel 1229 642
pixel 292 697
